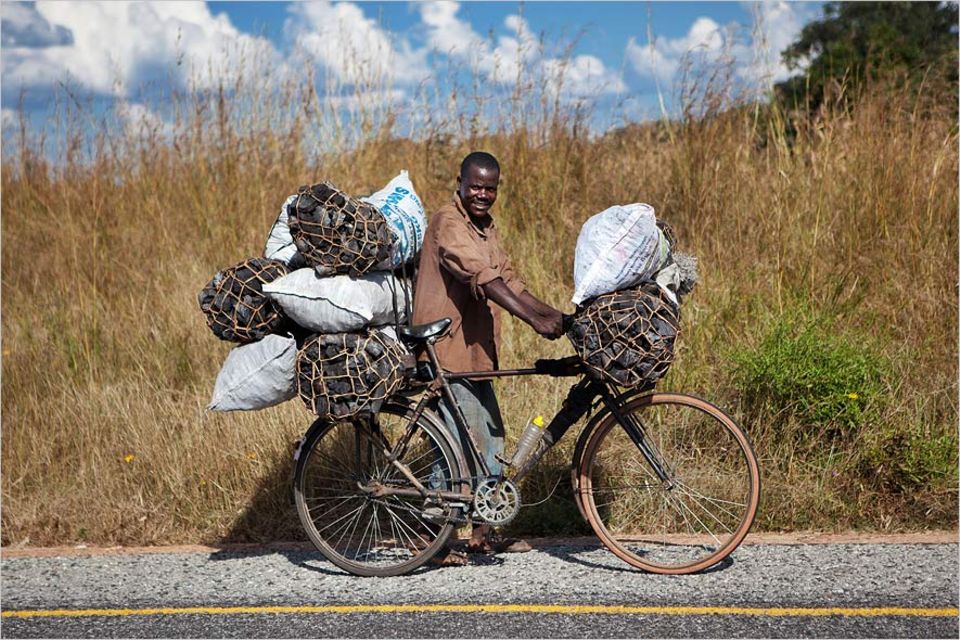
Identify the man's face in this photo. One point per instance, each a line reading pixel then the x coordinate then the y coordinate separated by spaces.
pixel 478 190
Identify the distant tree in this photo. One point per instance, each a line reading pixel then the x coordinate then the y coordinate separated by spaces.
pixel 856 42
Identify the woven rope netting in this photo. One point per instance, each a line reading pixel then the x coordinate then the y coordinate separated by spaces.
pixel 336 233
pixel 627 337
pixel 340 375
pixel 235 305
pixel 668 232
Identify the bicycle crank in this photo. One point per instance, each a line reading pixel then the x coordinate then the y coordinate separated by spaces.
pixel 496 501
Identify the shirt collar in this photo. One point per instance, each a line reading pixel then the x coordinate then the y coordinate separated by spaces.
pixel 463 212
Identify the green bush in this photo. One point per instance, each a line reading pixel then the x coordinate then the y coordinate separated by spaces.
pixel 803 369
pixel 899 460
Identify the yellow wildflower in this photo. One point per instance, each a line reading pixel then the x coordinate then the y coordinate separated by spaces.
pixel 853 396
pixel 129 458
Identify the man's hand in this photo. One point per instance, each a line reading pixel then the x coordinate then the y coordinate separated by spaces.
pixel 552 320
pixel 550 325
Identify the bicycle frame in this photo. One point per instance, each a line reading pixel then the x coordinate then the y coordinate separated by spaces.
pixel 440 386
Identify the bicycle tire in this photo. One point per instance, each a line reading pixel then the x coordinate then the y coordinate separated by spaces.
pixel 695 519
pixel 396 534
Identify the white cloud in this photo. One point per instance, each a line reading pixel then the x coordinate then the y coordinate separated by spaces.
pixel 704 34
pixel 779 24
pixel 448 34
pixel 582 76
pixel 21 25
pixel 649 60
pixel 9 118
pixel 140 121
pixel 116 46
pixel 517 51
pixel 513 53
pixel 757 59
pixel 354 48
pixel 367 100
pixel 662 59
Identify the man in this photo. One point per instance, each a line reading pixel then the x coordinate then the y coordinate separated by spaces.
pixel 465 275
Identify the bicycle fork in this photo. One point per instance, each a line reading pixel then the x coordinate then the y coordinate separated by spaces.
pixel 638 436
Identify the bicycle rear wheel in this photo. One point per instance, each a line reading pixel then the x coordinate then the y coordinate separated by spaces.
pixel 367 534
pixel 686 504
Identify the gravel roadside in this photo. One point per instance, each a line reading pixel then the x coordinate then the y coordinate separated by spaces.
pixel 780 538
pixel 790 575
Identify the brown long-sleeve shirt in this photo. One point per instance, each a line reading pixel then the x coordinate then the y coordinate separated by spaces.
pixel 457 259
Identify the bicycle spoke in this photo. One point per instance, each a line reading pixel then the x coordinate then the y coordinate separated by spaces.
pixel 333 481
pixel 699 498
pixel 683 510
pixel 338 497
pixel 329 508
pixel 412 532
pixel 416 471
pixel 342 518
pixel 363 536
pixel 352 528
pixel 402 536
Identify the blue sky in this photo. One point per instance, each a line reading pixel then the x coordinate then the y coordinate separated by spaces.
pixel 135 53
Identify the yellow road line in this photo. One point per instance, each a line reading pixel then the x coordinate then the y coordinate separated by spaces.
pixel 502 608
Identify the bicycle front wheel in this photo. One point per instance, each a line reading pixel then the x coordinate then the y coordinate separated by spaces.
pixel 673 491
pixel 343 483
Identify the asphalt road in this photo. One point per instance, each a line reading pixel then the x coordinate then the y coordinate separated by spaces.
pixel 558 590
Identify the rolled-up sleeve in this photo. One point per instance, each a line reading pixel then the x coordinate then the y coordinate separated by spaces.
pixel 463 257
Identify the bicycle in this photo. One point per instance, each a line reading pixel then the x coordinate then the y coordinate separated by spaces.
pixel 668 482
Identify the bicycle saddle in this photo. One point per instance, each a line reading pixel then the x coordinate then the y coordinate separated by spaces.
pixel 423 332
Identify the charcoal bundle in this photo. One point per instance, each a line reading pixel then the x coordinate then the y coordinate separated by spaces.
pixel 340 375
pixel 235 305
pixel 336 233
pixel 627 337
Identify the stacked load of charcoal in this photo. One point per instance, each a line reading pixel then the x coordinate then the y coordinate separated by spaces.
pixel 627 336
pixel 336 233
pixel 340 290
pixel 629 284
pixel 343 374
pixel 234 303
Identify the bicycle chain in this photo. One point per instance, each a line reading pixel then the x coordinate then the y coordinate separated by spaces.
pixel 419 512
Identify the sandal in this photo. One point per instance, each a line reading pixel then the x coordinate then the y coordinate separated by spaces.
pixel 496 543
pixel 483 548
pixel 512 545
pixel 448 557
pixel 509 545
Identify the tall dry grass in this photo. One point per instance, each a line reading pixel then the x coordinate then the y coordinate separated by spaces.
pixel 108 364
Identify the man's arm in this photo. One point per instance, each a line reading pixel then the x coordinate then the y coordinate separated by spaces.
pixel 544 319
pixel 538 305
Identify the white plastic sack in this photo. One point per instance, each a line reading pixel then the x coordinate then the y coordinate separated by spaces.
pixel 617 248
pixel 391 333
pixel 403 211
pixel 280 244
pixel 335 304
pixel 257 375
